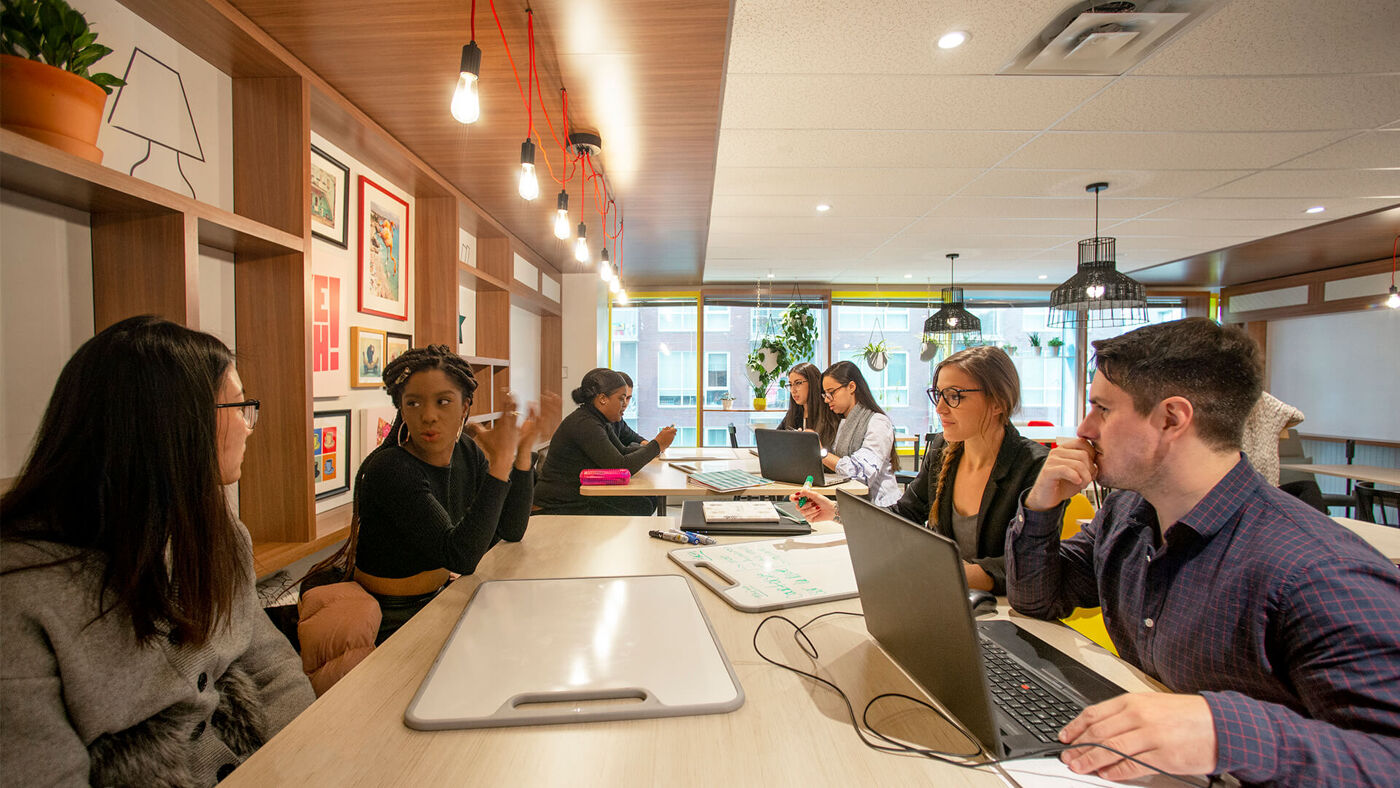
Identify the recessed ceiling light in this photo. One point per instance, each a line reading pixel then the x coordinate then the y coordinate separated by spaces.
pixel 952 40
pixel 770 274
pixel 908 276
pixel 1316 209
pixel 1043 276
pixel 823 208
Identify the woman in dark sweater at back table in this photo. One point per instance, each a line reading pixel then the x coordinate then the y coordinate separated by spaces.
pixel 584 440
pixel 625 433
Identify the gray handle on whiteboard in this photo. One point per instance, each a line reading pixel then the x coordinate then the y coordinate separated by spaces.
pixel 522 706
pixel 705 578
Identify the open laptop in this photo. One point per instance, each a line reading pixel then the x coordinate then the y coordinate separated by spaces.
pixel 791 456
pixel 1009 688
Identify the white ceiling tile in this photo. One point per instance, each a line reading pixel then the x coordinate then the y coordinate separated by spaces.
pixel 900 101
pixel 1081 207
pixel 1287 209
pixel 1204 228
pixel 848 207
pixel 1285 37
pixel 1371 149
pixel 1166 151
pixel 836 227
pixel 1002 182
pixel 1315 184
pixel 936 246
pixel 1240 104
pixel 987 225
pixel 808 148
pixel 833 182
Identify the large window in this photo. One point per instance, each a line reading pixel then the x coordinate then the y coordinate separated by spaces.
pixel 675 318
pixel 890 386
pixel 675 379
pixel 716 378
pixel 867 318
pixel 716 318
pixel 662 363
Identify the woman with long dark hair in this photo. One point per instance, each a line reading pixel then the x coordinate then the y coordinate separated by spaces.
pixel 976 469
pixel 134 647
pixel 586 439
pixel 863 447
pixel 437 494
pixel 807 410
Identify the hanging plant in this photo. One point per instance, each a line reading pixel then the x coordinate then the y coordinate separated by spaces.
pixel 798 334
pixel 928 349
pixel 877 355
pixel 765 364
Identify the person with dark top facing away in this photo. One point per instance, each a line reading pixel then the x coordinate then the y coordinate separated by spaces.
pixel 437 494
pixel 133 649
pixel 975 469
pixel 1276 629
pixel 807 410
pixel 585 439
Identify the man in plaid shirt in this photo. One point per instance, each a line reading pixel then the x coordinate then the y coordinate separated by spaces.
pixel 1277 630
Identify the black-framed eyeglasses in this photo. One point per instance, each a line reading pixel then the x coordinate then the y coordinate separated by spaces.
pixel 248 408
pixel 828 394
pixel 953 395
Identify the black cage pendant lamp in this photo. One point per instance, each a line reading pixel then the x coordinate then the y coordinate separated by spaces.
pixel 1098 294
pixel 952 323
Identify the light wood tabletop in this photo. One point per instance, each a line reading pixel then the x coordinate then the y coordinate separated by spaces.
pixel 1365 473
pixel 661 478
pixel 1384 538
pixel 790 731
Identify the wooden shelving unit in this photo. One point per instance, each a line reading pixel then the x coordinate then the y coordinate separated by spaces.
pixel 146 240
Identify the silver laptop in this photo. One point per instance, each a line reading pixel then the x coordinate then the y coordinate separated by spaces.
pixel 791 456
pixel 1009 688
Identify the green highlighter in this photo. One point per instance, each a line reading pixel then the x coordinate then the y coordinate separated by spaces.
pixel 806 488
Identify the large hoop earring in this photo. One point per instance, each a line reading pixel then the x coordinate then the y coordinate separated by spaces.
pixel 461 427
pixel 403 433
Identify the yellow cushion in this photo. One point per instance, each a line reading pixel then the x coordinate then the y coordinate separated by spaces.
pixel 1087 621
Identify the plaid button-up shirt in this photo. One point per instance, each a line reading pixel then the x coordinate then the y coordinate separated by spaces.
pixel 1284 621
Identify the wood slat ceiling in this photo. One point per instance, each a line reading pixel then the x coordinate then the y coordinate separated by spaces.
pixel 648 76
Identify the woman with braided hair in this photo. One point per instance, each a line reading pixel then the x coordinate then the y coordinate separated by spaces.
pixel 437 494
pixel 975 470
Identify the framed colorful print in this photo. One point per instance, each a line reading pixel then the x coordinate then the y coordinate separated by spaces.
pixel 330 198
pixel 375 424
pixel 329 358
pixel 395 345
pixel 383 252
pixel 367 358
pixel 330 452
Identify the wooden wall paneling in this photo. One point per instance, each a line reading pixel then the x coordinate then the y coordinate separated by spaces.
pixel 273 312
pixel 496 259
pixel 143 264
pixel 551 354
pixel 1316 283
pixel 492 323
pixel 272 151
pixel 435 272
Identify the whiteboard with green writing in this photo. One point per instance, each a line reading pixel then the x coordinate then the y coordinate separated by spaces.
pixel 775 573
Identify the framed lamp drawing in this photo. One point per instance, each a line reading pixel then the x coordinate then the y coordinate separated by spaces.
pixel 395 345
pixel 375 424
pixel 330 452
pixel 383 252
pixel 367 358
pixel 330 198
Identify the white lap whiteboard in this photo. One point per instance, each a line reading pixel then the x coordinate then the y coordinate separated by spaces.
pixel 531 652
pixel 774 573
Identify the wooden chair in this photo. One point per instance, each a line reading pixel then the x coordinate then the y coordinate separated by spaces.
pixel 1369 500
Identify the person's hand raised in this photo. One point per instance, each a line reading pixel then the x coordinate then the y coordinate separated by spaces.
pixel 500 441
pixel 665 436
pixel 1070 468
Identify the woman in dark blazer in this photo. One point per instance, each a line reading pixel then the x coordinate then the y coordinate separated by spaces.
pixel 975 470
pixel 586 439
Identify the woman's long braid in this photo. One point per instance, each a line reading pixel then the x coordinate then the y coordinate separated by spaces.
pixel 952 452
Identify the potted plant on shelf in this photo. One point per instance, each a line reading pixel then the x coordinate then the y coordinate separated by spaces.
pixel 1035 342
pixel 764 365
pixel 1055 344
pixel 877 355
pixel 727 401
pixel 47 91
pixel 1010 349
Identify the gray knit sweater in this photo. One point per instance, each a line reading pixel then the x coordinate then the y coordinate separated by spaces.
pixel 82 702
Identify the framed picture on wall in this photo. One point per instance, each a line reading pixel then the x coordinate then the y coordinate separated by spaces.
pixel 395 345
pixel 383 252
pixel 375 424
pixel 329 358
pixel 330 198
pixel 367 357
pixel 330 452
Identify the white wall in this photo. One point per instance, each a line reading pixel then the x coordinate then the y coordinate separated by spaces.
pixel 327 259
pixel 585 323
pixel 524 355
pixel 1341 370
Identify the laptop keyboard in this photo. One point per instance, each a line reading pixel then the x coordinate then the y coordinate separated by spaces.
pixel 1023 697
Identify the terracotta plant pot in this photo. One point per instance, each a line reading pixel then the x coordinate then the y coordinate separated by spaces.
pixel 53 106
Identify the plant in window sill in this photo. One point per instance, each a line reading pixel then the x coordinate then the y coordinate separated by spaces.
pixel 1055 344
pixel 1035 343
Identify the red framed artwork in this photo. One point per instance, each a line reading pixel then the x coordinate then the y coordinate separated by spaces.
pixel 383 274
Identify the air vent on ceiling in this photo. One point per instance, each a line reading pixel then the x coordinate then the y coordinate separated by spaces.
pixel 1106 38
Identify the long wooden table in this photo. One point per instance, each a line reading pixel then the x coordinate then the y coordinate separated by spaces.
pixel 661 479
pixel 1365 473
pixel 790 731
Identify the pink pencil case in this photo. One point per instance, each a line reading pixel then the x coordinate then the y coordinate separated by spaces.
pixel 605 476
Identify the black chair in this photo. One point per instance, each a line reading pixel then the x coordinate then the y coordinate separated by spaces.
pixel 1307 491
pixel 733 437
pixel 1367 499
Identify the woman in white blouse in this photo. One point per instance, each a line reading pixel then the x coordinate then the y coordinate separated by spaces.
pixel 864 445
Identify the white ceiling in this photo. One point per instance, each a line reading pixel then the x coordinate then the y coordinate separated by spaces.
pixel 1223 135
